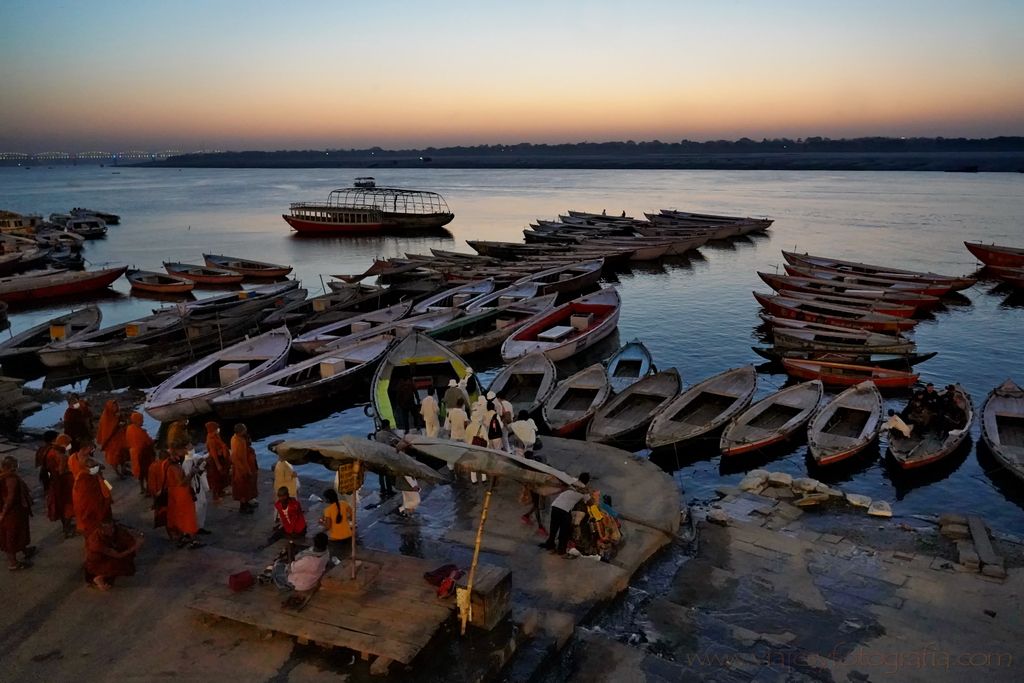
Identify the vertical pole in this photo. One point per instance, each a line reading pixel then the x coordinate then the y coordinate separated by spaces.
pixel 355 506
pixel 476 554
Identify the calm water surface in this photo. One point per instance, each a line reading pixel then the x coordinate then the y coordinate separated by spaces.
pixel 695 314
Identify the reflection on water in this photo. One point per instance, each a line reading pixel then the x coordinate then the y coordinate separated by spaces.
pixel 694 312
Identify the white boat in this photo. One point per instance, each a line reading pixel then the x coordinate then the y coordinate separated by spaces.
pixel 569 329
pixel 359 325
pixel 456 297
pixel 503 297
pixel 190 390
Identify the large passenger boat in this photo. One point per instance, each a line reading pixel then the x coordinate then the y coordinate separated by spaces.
pixel 367 208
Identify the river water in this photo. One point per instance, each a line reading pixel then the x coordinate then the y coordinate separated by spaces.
pixel 696 314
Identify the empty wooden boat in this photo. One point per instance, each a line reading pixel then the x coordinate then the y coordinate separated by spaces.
pixel 631 363
pixel 575 277
pixel 852 279
pixel 1011 276
pixel 420 359
pixel 788 283
pixel 503 297
pixel 846 424
pixel 832 314
pixel 348 329
pixel 222 303
pixel 308 381
pixel 896 361
pixel 526 383
pixel 487 329
pixel 771 420
pixel 36 286
pixel 703 408
pixel 456 297
pixel 569 329
pixel 190 391
pixel 203 275
pixel 923 447
pixel 247 267
pixel 1002 426
pixel 628 414
pixel 874 306
pixel 996 255
pixel 158 283
pixel 801 334
pixel 848 374
pixel 142 334
pixel 855 267
pixel 20 351
pixel 575 399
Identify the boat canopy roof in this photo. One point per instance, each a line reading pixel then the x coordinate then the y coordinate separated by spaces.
pixel 389 200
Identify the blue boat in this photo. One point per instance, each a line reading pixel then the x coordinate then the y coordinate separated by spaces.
pixel 630 364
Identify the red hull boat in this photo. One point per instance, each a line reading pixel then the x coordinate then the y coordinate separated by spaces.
pixel 58 284
pixel 847 374
pixel 995 255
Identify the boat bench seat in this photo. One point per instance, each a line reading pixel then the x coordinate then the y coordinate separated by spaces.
pixel 554 334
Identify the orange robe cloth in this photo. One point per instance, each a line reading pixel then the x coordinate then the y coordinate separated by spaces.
pixel 16 504
pixel 76 424
pixel 218 469
pixel 98 547
pixel 110 435
pixel 177 432
pixel 181 508
pixel 140 446
pixel 156 477
pixel 59 502
pixel 92 503
pixel 243 469
pixel 76 464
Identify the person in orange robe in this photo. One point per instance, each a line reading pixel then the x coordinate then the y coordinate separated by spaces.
pixel 110 435
pixel 177 432
pixel 78 461
pixel 140 448
pixel 77 421
pixel 110 552
pixel 243 470
pixel 59 502
pixel 15 509
pixel 156 477
pixel 182 525
pixel 218 464
pixel 92 499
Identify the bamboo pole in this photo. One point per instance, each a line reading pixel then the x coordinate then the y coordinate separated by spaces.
pixel 476 555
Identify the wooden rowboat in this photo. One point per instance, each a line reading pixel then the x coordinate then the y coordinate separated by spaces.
pixel 627 415
pixel 846 424
pixel 357 326
pixel 1002 426
pixel 631 363
pixel 503 297
pixel 20 351
pixel 419 358
pixel 575 399
pixel 875 306
pixel 703 408
pixel 922 448
pixel 848 374
pixel 526 383
pixel 568 279
pixel 853 280
pixel 489 328
pixel 857 268
pixel 158 283
pixel 1011 276
pixel 190 390
pixel 44 284
pixel 305 382
pixel 896 361
pixel 456 296
pixel 569 329
pixel 831 314
pixel 772 419
pixel 248 268
pixel 995 255
pixel 851 341
pixel 793 283
pixel 203 275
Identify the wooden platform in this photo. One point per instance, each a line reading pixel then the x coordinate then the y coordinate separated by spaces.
pixel 390 612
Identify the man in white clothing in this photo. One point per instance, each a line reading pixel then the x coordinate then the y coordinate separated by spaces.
pixel 410 489
pixel 560 527
pixel 524 433
pixel 897 423
pixel 456 421
pixel 429 411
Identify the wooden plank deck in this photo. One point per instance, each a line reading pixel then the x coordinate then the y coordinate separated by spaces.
pixel 392 617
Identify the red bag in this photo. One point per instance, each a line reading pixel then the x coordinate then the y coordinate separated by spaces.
pixel 241 581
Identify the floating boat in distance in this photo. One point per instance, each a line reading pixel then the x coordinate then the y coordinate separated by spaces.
pixel 923 448
pixel 781 283
pixel 190 390
pixel 845 425
pixel 105 216
pixel 368 208
pixel 46 284
pixel 575 399
pixel 158 283
pixel 526 383
pixel 305 382
pixel 631 363
pixel 996 255
pixel 703 408
pixel 324 218
pixel 21 350
pixel 1001 420
pixel 90 228
pixel 203 275
pixel 627 415
pixel 771 420
pixel 868 281
pixel 569 329
pixel 856 268
pixel 847 374
pixel 248 268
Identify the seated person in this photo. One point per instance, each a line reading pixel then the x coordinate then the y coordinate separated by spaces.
pixel 303 574
pixel 896 423
pixel 291 522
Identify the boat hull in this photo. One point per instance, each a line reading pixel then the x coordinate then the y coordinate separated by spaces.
pixel 304 227
pixel 993 255
pixel 63 287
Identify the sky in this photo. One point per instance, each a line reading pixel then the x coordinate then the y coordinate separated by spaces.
pixel 82 75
